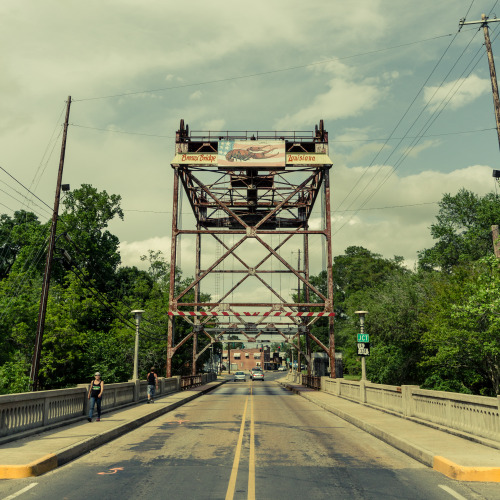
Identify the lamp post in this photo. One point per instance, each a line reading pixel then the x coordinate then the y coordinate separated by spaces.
pixel 361 315
pixel 138 314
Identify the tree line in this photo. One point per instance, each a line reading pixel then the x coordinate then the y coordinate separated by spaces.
pixel 436 326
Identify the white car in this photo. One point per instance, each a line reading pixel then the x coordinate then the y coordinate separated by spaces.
pixel 240 376
pixel 256 374
pixel 281 368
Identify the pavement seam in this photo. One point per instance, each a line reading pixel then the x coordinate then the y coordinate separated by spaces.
pixel 60 457
pixel 439 464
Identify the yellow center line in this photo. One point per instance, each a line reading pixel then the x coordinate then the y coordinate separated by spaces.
pixel 251 462
pixel 234 472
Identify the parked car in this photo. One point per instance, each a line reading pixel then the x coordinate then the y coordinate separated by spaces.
pixel 240 376
pixel 281 368
pixel 256 374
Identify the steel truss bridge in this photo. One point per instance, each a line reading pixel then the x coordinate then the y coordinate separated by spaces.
pixel 251 195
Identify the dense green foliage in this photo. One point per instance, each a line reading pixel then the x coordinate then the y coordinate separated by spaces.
pixel 88 324
pixel 436 326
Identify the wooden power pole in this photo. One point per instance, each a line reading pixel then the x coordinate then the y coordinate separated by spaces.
pixel 494 85
pixel 35 364
pixel 496 101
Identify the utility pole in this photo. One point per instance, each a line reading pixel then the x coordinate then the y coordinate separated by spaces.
pixel 494 85
pixel 299 357
pixel 361 315
pixel 138 315
pixel 35 364
pixel 496 240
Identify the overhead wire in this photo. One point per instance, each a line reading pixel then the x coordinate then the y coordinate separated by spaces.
pixel 379 170
pixel 38 175
pixel 400 120
pixel 262 73
pixel 420 135
pixel 445 101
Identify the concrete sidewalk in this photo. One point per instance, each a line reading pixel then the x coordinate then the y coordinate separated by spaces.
pixel 37 454
pixel 456 457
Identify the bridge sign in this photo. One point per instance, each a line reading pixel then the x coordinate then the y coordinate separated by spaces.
pixel 363 348
pixel 363 337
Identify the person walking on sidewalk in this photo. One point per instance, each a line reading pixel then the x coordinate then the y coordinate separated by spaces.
pixel 95 395
pixel 152 384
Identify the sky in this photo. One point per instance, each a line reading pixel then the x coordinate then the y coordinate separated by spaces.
pixel 406 100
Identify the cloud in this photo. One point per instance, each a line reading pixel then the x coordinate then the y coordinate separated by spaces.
pixel 396 220
pixel 346 97
pixel 196 95
pixel 459 93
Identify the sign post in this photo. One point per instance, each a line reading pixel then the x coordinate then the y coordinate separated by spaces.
pixel 363 343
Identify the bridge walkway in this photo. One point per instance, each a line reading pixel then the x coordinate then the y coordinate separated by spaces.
pixel 453 455
pixel 456 456
pixel 42 452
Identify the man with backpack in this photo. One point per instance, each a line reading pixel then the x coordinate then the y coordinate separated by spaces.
pixel 152 384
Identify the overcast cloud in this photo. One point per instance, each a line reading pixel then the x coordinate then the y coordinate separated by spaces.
pixel 403 130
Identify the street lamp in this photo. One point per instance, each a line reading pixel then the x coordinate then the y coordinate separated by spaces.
pixel 138 314
pixel 361 315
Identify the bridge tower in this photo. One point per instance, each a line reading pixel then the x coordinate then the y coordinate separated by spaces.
pixel 251 197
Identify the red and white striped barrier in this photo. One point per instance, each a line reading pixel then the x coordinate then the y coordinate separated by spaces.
pixel 273 314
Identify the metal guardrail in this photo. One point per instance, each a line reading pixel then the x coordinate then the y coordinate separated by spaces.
pixel 311 382
pixel 190 381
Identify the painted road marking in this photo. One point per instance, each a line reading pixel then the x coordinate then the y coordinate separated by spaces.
pixel 20 492
pixel 234 472
pixel 453 493
pixel 180 422
pixel 251 461
pixel 114 471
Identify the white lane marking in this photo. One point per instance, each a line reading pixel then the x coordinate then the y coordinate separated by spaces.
pixel 20 492
pixel 453 493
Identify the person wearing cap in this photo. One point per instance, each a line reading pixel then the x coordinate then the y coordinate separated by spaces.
pixel 95 395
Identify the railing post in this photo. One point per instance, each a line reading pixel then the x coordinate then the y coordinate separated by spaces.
pixel 407 397
pixel 362 391
pixel 137 389
pixel 46 409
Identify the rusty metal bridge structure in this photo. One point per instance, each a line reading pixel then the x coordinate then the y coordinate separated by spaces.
pixel 252 196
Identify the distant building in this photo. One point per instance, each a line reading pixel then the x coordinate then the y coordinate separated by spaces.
pixel 246 359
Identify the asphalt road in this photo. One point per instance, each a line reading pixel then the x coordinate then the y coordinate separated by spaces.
pixel 246 440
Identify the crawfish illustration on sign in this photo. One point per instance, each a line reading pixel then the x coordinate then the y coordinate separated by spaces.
pixel 251 153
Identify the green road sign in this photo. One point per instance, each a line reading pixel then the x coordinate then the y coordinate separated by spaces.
pixel 363 337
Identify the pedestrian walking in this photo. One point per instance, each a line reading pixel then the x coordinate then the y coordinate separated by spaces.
pixel 152 384
pixel 95 395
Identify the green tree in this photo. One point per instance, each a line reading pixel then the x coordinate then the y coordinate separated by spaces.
pixel 393 323
pixel 85 219
pixel 22 243
pixel 461 337
pixel 357 270
pixel 462 230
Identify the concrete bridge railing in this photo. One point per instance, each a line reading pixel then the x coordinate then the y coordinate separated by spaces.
pixel 475 415
pixel 31 412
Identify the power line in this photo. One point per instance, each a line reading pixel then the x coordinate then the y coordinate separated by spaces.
pixel 415 137
pixel 408 130
pixel 426 126
pixel 122 131
pixel 399 122
pixel 388 207
pixel 263 73
pixel 21 184
pixel 331 141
